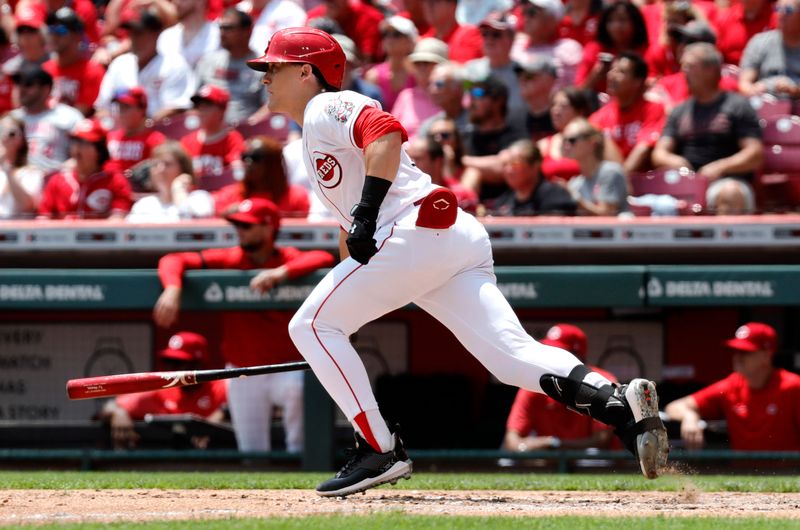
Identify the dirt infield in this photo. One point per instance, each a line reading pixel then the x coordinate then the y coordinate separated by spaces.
pixel 43 506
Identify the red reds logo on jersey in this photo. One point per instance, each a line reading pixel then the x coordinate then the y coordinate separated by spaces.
pixel 329 170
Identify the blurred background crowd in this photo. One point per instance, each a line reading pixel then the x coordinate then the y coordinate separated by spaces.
pixel 145 109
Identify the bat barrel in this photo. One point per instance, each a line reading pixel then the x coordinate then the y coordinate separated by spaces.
pixel 111 385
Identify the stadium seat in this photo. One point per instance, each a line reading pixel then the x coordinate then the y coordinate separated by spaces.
pixel 768 107
pixel 178 126
pixel 782 129
pixel 683 184
pixel 275 126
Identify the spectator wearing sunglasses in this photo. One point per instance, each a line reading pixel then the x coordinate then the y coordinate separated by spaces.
pixel 227 68
pixel 446 88
pixel 489 133
pixel 185 351
pixel 394 74
pixel 539 36
pixel 47 122
pixel 176 197
pixel 497 31
pixel 251 338
pixel 601 188
pixel 771 61
pixel 76 78
pixel 20 183
pixel 264 177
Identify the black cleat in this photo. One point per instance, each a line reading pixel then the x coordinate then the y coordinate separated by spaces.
pixel 366 468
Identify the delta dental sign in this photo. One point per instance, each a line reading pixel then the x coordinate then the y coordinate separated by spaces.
pixel 52 293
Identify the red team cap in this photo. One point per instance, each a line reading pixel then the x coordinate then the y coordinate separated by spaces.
pixel 567 337
pixel 212 94
pixel 134 96
pixel 256 211
pixel 89 130
pixel 752 337
pixel 305 45
pixel 29 17
pixel 186 346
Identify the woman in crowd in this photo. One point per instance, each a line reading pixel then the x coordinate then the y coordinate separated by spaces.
pixel 621 29
pixel 172 176
pixel 265 177
pixel 601 187
pixel 414 105
pixel 20 184
pixel 444 131
pixel 394 74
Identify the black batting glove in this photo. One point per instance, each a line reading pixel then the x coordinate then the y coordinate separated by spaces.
pixel 360 241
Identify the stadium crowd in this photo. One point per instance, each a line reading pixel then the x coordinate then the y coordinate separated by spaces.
pixel 146 110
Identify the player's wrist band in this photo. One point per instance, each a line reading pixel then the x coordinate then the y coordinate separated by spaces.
pixel 372 195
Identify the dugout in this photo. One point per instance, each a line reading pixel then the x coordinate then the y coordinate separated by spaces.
pixel 656 318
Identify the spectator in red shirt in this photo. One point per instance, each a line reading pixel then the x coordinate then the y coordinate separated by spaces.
pixel 580 21
pixel 185 351
pixel 464 41
pixel 621 29
pixel 214 146
pixel 760 403
pixel 739 22
pixel 568 103
pixel 630 120
pixel 358 20
pixel 83 189
pixel 133 141
pixel 251 338
pixel 264 177
pixel 76 78
pixel 537 422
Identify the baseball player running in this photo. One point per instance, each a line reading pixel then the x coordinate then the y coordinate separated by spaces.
pixel 405 240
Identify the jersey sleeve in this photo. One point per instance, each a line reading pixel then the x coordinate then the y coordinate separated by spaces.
pixel 372 123
pixel 172 266
pixel 711 399
pixel 334 116
pixel 299 263
pixel 519 419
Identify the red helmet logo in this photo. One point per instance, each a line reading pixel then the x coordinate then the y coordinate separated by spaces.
pixel 305 45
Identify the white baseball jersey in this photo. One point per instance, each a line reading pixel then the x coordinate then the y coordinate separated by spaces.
pixel 336 165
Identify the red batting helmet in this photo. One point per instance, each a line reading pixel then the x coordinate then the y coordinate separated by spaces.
pixel 305 45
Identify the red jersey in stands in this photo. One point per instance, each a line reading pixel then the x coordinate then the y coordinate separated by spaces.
pixel 249 338
pixel 767 419
pixel 201 400
pixel 77 84
pixel 465 42
pixel 641 123
pixel 97 197
pixel 294 203
pixel 584 32
pixel 212 158
pixel 653 16
pixel 538 415
pixel 734 29
pixel 360 22
pixel 127 151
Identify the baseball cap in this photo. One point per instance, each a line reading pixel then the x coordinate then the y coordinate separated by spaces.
pixel 535 64
pixel 256 211
pixel 212 93
pixel 134 96
pixel 754 336
pixel 693 31
pixel 500 21
pixel 402 25
pixel 554 8
pixel 186 346
pixel 141 20
pixel 90 130
pixel 32 73
pixel 67 18
pixel 567 337
pixel 29 16
pixel 348 47
pixel 430 50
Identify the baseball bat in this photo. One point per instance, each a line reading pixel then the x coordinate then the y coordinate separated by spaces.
pixel 112 385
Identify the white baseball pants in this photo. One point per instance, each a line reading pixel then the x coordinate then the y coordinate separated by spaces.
pixel 251 400
pixel 448 273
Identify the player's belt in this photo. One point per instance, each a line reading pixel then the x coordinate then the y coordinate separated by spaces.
pixel 437 210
